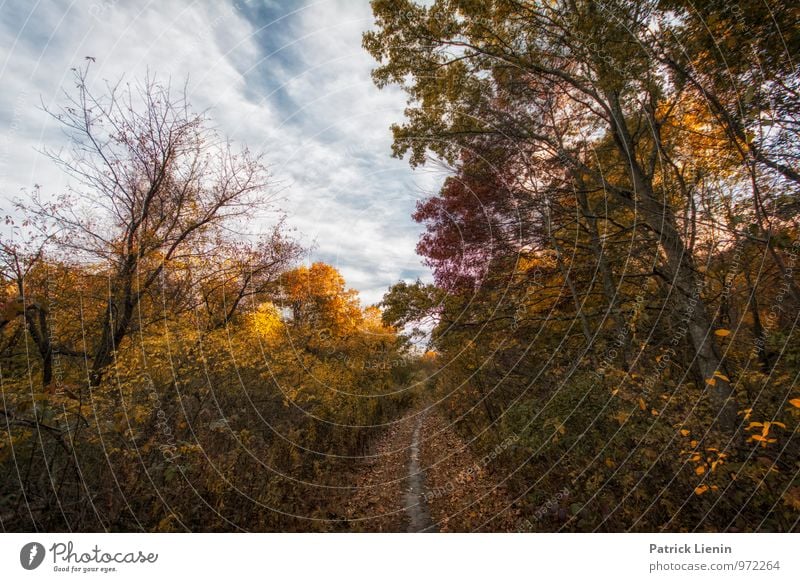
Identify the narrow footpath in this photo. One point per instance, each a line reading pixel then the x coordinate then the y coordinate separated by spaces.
pixel 422 477
pixel 415 498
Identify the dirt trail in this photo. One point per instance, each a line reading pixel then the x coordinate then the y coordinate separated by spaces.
pixel 376 504
pixel 464 492
pixel 424 478
pixel 415 501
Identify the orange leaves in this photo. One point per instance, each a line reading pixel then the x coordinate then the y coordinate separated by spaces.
pixel 717 376
pixel 795 402
pixel 318 296
pixel 700 489
pixel 764 437
pixel 722 332
pixel 705 460
pixel 707 467
pixel 430 356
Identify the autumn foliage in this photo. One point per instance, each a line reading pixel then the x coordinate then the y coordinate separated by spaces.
pixel 160 371
pixel 615 254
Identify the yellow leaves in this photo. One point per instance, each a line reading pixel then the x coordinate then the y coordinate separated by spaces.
pixel 795 402
pixel 267 321
pixel 722 332
pixel 700 470
pixel 685 432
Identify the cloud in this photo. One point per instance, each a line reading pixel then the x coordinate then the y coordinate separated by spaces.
pixel 290 81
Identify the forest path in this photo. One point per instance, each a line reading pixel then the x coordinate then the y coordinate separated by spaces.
pixel 464 491
pixel 424 478
pixel 415 501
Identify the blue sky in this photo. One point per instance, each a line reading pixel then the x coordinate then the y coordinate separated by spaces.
pixel 289 79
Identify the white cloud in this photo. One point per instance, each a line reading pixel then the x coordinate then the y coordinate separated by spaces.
pixel 291 82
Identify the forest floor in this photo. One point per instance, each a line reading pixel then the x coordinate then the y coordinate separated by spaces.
pixel 422 476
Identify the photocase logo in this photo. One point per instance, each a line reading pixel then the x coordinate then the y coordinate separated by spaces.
pixel 31 555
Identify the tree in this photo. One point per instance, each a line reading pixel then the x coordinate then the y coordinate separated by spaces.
pixel 161 191
pixel 545 80
pixel 318 299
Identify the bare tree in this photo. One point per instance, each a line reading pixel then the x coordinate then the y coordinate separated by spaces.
pixel 160 189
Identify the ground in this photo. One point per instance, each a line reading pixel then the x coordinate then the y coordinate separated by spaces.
pixel 423 477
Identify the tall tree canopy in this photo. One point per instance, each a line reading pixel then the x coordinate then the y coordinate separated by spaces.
pixel 620 223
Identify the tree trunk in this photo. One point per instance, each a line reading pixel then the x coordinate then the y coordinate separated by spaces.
pixel 609 288
pixel 114 331
pixel 758 329
pixel 682 274
pixel 40 332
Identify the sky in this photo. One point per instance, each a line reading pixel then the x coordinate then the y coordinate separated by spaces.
pixel 288 79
